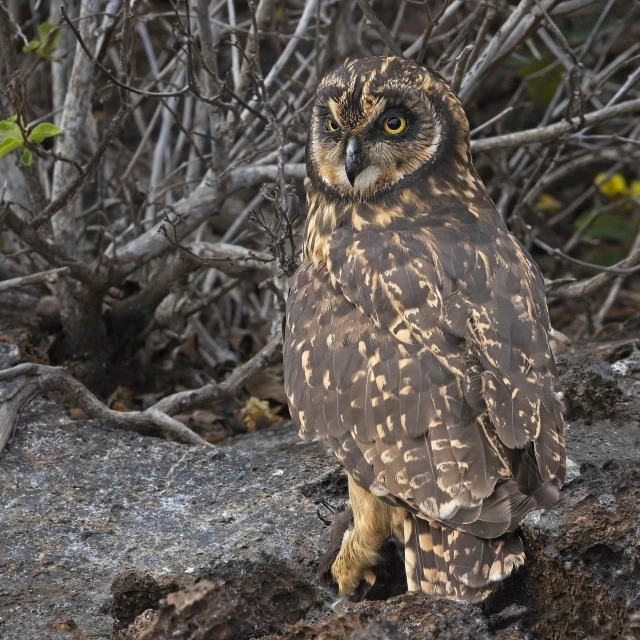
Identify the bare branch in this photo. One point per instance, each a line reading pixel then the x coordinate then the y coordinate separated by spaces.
pixel 10 408
pixel 50 276
pixel 43 379
pixel 587 288
pixel 380 28
pixel 461 62
pixel 117 81
pixel 553 131
pixel 292 45
pixel 600 316
pixel 205 396
pixel 74 122
pixel 199 204
pixel 50 251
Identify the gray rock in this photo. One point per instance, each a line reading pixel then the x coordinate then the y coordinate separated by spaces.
pixel 97 526
pixel 80 504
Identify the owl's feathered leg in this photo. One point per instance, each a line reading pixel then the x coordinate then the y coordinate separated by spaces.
pixel 374 522
pixel 459 566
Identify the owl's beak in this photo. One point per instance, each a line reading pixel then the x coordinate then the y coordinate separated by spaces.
pixel 354 163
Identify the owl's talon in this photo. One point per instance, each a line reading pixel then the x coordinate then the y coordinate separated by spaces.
pixel 328 520
pixel 330 507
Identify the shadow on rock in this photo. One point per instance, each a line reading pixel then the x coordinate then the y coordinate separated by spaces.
pixel 555 603
pixel 234 601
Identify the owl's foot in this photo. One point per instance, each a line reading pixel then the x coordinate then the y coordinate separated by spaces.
pixel 342 563
pixel 353 569
pixel 363 559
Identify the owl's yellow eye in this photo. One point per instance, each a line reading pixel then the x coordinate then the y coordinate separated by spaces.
pixel 330 125
pixel 395 124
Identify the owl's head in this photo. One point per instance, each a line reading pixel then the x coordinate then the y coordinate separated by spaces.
pixel 380 122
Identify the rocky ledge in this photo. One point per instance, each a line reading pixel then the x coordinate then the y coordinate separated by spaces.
pixel 105 534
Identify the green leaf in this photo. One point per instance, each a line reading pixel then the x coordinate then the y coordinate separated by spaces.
pixel 44 29
pixel 610 226
pixel 31 46
pixel 26 158
pixel 10 130
pixel 8 145
pixel 42 131
pixel 50 42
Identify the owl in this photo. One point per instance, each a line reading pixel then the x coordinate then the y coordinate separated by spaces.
pixel 416 337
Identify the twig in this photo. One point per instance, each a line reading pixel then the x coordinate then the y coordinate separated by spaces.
pixel 199 204
pixel 50 276
pixel 553 131
pixel 461 62
pixel 305 19
pixel 380 28
pixel 583 226
pixel 8 16
pixel 417 45
pixel 214 296
pixel 588 287
pixel 613 292
pixel 205 396
pixel 262 14
pixel 491 121
pixel 42 379
pixel 51 252
pixel 230 259
pixel 581 199
pixel 72 189
pixel 489 15
pixel 119 83
pixel 553 251
pixel 433 23
pixel 494 46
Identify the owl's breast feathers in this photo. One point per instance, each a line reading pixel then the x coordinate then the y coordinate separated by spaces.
pixel 416 344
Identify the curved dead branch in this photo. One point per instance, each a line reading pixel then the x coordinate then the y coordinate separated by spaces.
pixel 40 379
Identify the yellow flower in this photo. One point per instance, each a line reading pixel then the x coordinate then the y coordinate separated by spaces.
pixel 615 185
pixel 634 189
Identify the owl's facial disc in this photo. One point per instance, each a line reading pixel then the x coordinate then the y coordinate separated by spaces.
pixel 379 124
pixel 361 144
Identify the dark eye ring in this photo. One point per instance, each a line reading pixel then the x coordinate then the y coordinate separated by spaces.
pixel 331 125
pixel 395 124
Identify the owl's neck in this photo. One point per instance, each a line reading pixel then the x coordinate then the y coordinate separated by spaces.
pixel 432 202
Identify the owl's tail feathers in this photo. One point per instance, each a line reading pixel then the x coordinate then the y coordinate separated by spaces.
pixel 460 566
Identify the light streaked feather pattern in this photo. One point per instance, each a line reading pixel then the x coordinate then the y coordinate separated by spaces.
pixel 416 344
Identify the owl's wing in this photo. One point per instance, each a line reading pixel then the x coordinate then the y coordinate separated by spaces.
pixel 380 362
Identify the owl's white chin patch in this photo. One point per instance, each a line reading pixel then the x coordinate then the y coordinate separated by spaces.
pixel 364 184
pixel 366 180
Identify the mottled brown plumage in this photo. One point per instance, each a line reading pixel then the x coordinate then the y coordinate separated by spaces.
pixel 417 336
